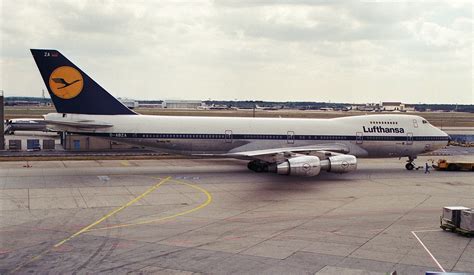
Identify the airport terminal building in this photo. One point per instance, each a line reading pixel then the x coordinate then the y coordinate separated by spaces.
pixel 182 104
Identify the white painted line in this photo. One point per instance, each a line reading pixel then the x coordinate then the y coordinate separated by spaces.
pixel 431 230
pixel 432 257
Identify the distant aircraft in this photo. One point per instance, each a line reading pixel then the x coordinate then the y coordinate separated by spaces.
pixel 24 124
pixel 271 108
pixel 301 147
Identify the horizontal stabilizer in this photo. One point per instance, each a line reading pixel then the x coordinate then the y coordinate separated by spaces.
pixel 80 124
pixel 74 122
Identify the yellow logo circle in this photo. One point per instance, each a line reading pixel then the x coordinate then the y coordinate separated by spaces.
pixel 66 82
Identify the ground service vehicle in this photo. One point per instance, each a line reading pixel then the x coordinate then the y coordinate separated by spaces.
pixel 447 165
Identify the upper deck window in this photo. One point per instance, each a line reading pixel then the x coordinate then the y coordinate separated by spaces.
pixel 424 121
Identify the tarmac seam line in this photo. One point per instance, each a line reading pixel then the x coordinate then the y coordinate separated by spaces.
pixel 460 255
pixel 85 229
pixel 278 233
pixel 202 205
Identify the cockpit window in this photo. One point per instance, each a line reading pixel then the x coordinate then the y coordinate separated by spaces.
pixel 424 121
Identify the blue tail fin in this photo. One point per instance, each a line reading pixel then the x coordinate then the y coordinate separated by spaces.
pixel 73 91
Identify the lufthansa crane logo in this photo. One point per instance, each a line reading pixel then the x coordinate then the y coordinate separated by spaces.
pixel 66 82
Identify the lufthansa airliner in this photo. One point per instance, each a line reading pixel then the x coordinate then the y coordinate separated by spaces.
pixel 301 147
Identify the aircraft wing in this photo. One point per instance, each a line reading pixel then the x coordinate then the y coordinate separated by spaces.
pixel 280 154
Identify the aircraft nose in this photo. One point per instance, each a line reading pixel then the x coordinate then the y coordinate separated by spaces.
pixel 449 139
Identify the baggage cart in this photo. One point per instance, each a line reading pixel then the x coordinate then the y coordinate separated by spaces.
pixel 451 217
pixel 466 226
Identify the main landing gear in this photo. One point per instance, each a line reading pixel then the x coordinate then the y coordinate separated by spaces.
pixel 410 165
pixel 258 166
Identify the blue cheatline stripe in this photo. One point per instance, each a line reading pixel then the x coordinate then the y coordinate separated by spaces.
pixel 262 136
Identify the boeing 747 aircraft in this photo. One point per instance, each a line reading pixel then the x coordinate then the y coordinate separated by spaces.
pixel 301 147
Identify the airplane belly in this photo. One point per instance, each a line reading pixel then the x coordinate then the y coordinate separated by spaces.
pixel 384 149
pixel 251 145
pixel 380 149
pixel 202 146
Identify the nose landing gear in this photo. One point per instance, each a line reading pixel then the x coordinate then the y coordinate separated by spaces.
pixel 410 165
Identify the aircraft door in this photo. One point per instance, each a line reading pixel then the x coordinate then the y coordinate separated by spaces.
pixel 359 138
pixel 228 136
pixel 409 138
pixel 290 137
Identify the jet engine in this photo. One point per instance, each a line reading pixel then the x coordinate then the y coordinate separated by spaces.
pixel 340 164
pixel 306 166
pixel 309 166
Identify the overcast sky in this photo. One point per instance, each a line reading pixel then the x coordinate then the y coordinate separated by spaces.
pixel 338 51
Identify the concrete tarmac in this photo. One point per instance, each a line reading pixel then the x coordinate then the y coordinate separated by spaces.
pixel 216 217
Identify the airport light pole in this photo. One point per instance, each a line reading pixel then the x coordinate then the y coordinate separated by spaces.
pixel 2 127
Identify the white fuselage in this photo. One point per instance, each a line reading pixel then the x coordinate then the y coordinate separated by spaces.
pixel 365 136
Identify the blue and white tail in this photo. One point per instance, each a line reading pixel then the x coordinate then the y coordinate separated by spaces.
pixel 73 91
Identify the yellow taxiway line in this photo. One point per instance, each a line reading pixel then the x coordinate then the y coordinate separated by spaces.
pixel 204 204
pixel 85 229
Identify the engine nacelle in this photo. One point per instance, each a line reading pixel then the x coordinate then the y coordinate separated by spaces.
pixel 306 166
pixel 341 164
